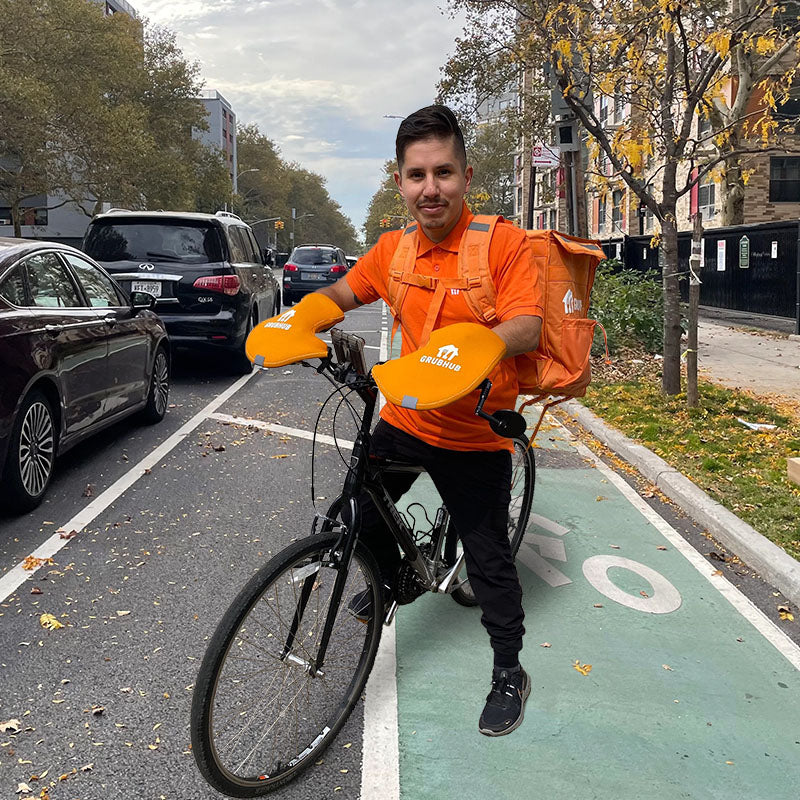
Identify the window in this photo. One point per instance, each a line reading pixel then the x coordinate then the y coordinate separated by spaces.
pixel 603 110
pixel 50 284
pixel 616 211
pixel 254 244
pixel 12 288
pixel 784 179
pixel 705 198
pixel 619 108
pixel 703 125
pixel 601 216
pixel 97 287
pixel 237 247
pixel 138 240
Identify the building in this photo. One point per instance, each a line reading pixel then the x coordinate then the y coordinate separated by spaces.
pixel 221 133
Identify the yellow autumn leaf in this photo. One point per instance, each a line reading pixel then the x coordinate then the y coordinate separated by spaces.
pixel 49 622
pixel 787 615
pixel 584 669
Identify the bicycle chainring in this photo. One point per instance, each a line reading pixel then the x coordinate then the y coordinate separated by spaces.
pixel 407 587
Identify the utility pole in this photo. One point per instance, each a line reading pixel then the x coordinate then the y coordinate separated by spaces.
pixel 692 394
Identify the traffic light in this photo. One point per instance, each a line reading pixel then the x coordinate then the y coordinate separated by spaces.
pixel 279 225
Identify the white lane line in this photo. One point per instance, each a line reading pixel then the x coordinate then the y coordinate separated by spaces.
pixel 380 773
pixel 344 444
pixel 760 621
pixel 16 576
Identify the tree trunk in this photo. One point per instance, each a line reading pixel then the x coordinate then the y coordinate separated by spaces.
pixel 732 211
pixel 15 218
pixel 668 256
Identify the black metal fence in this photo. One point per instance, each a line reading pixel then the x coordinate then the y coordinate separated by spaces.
pixel 750 268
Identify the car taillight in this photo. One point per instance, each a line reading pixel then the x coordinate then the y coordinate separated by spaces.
pixel 339 268
pixel 290 267
pixel 227 284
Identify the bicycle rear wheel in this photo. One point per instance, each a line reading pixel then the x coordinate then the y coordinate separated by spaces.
pixel 523 477
pixel 260 715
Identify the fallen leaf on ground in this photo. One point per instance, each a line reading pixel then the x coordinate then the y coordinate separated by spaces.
pixel 584 669
pixel 661 547
pixel 49 622
pixel 36 590
pixel 786 613
pixel 545 644
pixel 89 490
pixel 668 667
pixel 31 562
pixel 23 787
pixel 9 726
pixel 69 535
pixel 123 613
pixel 282 455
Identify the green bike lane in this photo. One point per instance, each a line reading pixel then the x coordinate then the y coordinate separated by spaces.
pixel 692 692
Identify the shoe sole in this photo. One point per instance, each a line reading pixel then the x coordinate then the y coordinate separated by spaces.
pixel 526 690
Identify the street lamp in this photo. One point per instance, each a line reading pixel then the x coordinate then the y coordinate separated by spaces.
pixel 268 219
pixel 236 182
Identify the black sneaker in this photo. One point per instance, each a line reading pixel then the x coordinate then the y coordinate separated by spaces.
pixel 360 605
pixel 505 705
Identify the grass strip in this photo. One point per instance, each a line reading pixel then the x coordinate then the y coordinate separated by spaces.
pixel 743 469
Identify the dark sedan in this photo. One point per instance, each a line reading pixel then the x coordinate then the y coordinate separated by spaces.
pixel 76 355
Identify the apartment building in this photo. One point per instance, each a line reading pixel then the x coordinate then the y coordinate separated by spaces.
pixel 221 133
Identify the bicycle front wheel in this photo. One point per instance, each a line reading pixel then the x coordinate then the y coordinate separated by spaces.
pixel 523 477
pixel 262 712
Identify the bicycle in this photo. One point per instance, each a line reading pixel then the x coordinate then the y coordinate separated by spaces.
pixel 289 660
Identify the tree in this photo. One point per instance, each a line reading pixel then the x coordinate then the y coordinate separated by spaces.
pixel 666 62
pixel 386 209
pixel 491 153
pixel 276 187
pixel 95 107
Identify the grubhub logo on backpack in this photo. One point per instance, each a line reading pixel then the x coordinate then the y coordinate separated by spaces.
pixel 282 322
pixel 572 303
pixel 443 358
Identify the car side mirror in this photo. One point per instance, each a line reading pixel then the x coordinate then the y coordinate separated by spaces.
pixel 141 300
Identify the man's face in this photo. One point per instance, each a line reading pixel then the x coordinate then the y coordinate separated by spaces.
pixel 433 183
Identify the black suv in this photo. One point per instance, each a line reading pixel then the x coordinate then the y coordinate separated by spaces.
pixel 207 272
pixel 311 266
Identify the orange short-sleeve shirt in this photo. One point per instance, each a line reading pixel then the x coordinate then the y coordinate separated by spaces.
pixel 455 427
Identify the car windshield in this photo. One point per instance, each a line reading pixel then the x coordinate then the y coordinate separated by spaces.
pixel 313 256
pixel 182 243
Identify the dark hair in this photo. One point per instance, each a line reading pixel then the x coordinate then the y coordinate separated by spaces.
pixel 431 122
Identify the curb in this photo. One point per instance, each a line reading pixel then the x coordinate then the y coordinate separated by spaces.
pixel 773 564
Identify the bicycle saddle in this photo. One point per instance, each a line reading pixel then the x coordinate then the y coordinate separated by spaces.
pixel 290 337
pixel 453 362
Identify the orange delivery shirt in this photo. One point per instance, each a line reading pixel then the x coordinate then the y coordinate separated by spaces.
pixel 455 427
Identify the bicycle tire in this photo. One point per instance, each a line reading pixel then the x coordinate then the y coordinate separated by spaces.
pixel 243 743
pixel 523 478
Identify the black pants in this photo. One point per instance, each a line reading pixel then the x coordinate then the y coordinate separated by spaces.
pixel 475 487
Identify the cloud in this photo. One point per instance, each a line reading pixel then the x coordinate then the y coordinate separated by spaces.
pixel 317 77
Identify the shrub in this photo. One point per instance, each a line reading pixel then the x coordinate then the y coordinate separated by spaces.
pixel 629 305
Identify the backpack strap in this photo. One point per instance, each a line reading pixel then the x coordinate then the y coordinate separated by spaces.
pixel 401 275
pixel 473 266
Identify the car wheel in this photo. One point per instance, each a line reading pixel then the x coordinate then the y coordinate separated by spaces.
pixel 277 309
pixel 288 298
pixel 241 364
pixel 31 453
pixel 156 407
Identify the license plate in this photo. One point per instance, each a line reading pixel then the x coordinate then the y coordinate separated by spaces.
pixel 312 276
pixel 151 287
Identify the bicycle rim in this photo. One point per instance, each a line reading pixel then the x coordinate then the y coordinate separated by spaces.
pixel 258 718
pixel 523 473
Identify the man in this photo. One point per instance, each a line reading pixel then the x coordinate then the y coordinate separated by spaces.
pixel 469 465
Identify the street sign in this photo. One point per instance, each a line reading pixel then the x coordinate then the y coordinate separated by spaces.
pixel 545 156
pixel 744 253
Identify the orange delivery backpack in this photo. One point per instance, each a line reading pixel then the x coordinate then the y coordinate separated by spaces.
pixel 566 265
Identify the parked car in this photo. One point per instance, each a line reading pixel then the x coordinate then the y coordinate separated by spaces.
pixel 76 355
pixel 311 266
pixel 210 278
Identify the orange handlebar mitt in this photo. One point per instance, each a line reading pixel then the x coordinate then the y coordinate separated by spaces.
pixel 289 337
pixel 453 362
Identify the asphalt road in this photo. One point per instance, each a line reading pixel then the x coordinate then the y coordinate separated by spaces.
pixel 104 701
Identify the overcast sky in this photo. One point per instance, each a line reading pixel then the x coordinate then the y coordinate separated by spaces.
pixel 317 76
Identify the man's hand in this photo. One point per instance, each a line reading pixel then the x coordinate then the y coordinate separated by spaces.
pixel 520 334
pixel 341 294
